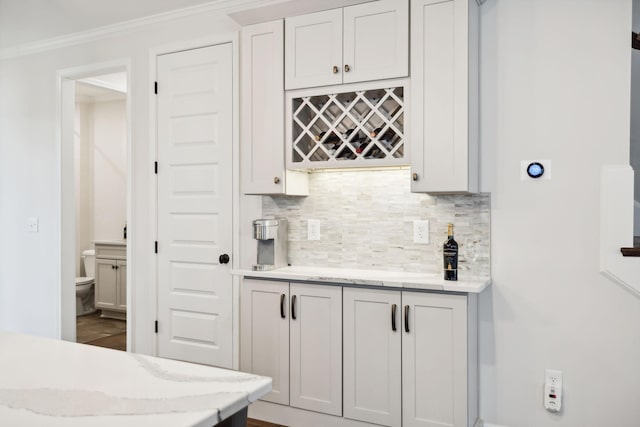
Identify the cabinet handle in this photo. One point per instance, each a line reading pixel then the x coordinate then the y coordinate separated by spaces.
pixel 414 176
pixel 347 68
pixel 394 307
pixel 113 267
pixel 335 69
pixel 276 180
pixel 282 314
pixel 406 318
pixel 224 259
pixel 293 307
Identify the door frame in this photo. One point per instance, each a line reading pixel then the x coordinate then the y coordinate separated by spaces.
pixel 232 38
pixel 65 131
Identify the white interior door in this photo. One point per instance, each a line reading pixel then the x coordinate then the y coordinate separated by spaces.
pixel 195 205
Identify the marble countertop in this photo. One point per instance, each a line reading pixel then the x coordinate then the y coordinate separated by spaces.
pixel 52 383
pixel 371 278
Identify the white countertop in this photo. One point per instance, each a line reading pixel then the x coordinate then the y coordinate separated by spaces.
pixel 370 278
pixel 116 242
pixel 51 383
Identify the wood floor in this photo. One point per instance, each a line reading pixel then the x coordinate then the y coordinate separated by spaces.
pixel 94 330
pixel 258 423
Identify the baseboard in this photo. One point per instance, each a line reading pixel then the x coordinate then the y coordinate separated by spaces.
pixel 492 425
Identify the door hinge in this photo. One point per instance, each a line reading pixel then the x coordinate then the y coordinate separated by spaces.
pixel 156 246
pixel 156 327
pixel 155 87
pixel 155 167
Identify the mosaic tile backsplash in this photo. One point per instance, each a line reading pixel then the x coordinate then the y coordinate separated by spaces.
pixel 366 222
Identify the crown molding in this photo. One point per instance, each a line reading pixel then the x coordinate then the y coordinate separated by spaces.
pixel 220 6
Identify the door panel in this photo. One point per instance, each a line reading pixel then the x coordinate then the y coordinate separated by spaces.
pixel 122 285
pixel 106 278
pixel 265 334
pixel 316 348
pixel 376 40
pixel 434 364
pixel 194 205
pixel 313 46
pixel 372 356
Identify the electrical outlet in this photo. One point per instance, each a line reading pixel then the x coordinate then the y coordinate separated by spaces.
pixel 552 390
pixel 313 229
pixel 421 231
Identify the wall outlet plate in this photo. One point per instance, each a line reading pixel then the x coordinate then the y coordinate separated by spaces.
pixel 313 229
pixel 421 232
pixel 552 390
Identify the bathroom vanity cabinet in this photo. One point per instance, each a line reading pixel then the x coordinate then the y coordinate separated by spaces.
pixel 111 279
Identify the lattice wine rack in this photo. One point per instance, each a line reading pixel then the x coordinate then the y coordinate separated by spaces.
pixel 360 128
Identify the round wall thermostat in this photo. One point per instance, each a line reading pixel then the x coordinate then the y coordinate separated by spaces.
pixel 535 170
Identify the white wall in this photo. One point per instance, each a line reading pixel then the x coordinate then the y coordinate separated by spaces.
pixel 29 171
pixel 109 169
pixel 101 173
pixel 555 85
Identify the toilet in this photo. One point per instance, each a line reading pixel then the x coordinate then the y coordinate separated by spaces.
pixel 85 300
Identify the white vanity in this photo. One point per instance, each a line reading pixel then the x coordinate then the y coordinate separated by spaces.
pixel 111 278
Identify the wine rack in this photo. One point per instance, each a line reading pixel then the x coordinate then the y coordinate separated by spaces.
pixel 348 129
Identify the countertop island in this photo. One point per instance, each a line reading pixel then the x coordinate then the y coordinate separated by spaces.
pixel 52 383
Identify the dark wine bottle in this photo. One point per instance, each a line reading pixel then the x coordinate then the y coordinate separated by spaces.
pixel 320 135
pixel 450 255
pixel 376 131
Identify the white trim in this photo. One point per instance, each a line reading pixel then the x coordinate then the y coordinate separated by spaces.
pixel 492 425
pixel 104 84
pixel 234 39
pixel 221 6
pixel 65 79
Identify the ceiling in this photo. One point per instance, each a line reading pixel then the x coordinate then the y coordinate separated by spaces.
pixel 27 21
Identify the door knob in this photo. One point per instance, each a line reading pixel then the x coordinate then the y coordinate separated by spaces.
pixel 224 259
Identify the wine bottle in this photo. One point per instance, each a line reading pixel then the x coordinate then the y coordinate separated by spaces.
pixel 450 255
pixel 376 131
pixel 320 135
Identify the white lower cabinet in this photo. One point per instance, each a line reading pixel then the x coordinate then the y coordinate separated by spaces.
pixel 407 359
pixel 293 334
pixel 111 284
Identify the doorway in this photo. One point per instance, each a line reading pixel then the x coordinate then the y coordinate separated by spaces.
pixel 95 194
pixel 100 166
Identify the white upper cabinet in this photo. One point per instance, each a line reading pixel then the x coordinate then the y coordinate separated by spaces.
pixel 262 114
pixel 444 78
pixel 364 42
pixel 314 49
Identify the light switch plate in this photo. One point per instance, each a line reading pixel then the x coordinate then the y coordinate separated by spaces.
pixel 33 225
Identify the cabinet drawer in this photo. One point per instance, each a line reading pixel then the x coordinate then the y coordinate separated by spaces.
pixel 111 251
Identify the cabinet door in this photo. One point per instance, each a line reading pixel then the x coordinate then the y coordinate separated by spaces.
pixel 313 47
pixel 264 334
pixel 434 360
pixel 372 359
pixel 376 41
pixel 316 348
pixel 105 284
pixel 444 77
pixel 122 285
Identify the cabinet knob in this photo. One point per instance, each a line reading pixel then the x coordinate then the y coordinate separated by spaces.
pixel 276 180
pixel 224 259
pixel 414 176
pixel 335 69
pixel 347 68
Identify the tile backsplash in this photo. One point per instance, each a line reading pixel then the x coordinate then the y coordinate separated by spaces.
pixel 366 222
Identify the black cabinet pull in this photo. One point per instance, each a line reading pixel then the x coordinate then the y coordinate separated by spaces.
pixel 293 307
pixel 406 318
pixel 394 307
pixel 282 314
pixel 224 259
